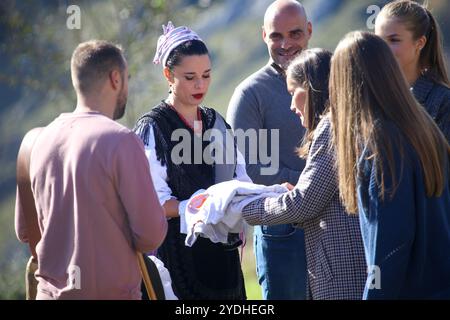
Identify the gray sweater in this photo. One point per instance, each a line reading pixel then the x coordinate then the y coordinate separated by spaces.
pixel 262 102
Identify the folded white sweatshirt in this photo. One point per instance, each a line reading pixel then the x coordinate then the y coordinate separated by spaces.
pixel 217 211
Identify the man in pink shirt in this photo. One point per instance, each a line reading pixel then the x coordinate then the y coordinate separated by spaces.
pixel 93 193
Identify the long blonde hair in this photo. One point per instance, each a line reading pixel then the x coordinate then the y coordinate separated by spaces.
pixel 368 92
pixel 421 22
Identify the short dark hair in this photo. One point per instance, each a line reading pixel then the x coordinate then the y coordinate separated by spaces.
pixel 188 48
pixel 92 61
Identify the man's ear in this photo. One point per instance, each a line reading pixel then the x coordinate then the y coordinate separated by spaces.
pixel 264 34
pixel 310 29
pixel 115 79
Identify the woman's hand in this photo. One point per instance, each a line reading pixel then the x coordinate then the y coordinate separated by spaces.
pixel 288 186
pixel 171 208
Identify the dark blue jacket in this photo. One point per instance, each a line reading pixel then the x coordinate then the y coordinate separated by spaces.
pixel 407 236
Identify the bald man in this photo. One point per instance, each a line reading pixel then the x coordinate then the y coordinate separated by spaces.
pixel 262 102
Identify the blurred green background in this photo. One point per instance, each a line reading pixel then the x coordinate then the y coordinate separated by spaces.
pixel 35 86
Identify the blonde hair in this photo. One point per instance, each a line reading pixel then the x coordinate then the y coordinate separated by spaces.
pixel 420 22
pixel 368 94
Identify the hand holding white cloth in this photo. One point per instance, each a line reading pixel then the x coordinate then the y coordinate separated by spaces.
pixel 217 211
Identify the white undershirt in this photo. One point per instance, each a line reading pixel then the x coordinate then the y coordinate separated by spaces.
pixel 159 171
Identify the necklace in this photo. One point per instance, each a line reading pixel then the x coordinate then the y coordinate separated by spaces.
pixel 197 128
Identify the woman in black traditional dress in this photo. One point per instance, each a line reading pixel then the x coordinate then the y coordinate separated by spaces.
pixel 206 270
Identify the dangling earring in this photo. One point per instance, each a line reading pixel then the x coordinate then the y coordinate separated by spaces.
pixel 423 71
pixel 170 89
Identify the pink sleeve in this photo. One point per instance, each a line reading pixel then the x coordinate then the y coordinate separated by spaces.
pixel 146 217
pixel 19 219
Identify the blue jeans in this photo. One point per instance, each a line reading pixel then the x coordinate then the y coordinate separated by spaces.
pixel 280 261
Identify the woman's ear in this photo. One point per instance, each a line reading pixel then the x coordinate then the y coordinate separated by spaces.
pixel 421 42
pixel 168 74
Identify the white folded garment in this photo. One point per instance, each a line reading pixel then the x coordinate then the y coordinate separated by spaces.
pixel 217 211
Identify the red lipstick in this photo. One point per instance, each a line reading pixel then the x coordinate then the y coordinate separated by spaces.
pixel 198 96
